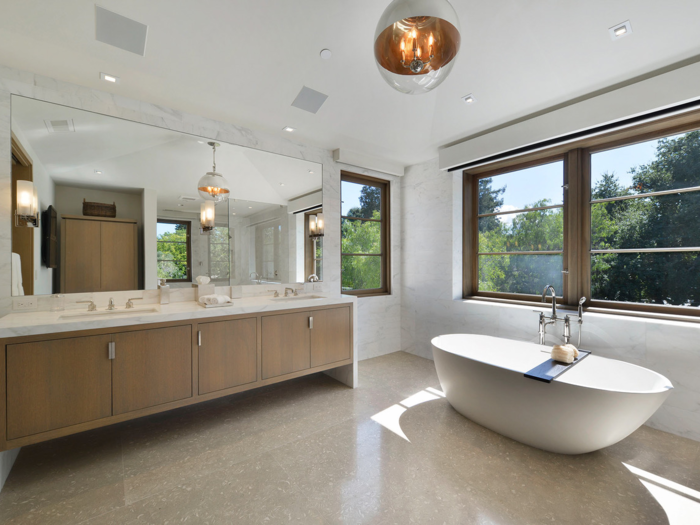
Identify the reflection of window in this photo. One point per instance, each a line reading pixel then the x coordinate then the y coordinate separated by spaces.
pixel 365 235
pixel 174 250
pixel 219 267
pixel 313 261
pixel 624 232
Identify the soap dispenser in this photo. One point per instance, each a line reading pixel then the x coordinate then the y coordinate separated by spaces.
pixel 164 291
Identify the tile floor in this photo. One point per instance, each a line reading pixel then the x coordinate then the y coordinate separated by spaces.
pixel 308 451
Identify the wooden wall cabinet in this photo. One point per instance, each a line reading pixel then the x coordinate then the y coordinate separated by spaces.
pixel 59 384
pixel 98 254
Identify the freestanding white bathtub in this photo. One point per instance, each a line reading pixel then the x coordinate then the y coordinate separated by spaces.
pixel 594 404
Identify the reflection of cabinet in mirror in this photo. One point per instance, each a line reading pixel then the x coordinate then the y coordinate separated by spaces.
pixel 98 254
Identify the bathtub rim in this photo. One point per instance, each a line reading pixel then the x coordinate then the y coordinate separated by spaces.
pixel 665 388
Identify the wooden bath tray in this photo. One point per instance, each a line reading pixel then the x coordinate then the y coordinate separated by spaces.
pixel 552 369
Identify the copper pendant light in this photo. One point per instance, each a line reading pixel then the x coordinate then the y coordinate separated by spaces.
pixel 213 186
pixel 416 43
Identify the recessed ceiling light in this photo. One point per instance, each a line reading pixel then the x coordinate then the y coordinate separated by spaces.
pixel 201 141
pixel 469 99
pixel 109 78
pixel 620 30
pixel 281 183
pixel 326 54
pixel 98 172
pixel 250 207
pixel 181 205
pixel 288 129
pixel 311 171
pixel 234 213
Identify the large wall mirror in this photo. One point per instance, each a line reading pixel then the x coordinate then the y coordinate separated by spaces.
pixel 105 204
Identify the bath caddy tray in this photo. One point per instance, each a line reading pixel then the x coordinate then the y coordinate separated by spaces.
pixel 552 369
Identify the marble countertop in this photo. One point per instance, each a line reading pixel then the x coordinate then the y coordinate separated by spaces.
pixel 37 323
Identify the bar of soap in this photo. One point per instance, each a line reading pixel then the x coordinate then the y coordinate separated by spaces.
pixel 563 354
pixel 573 348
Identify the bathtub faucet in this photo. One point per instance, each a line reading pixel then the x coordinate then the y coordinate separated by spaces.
pixel 550 288
pixel 553 319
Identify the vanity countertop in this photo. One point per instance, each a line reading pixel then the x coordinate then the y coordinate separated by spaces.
pixel 38 323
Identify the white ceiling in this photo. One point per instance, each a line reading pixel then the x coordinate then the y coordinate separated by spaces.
pixel 135 156
pixel 244 62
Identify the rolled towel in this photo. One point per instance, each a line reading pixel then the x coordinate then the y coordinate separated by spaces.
pixel 574 349
pixel 563 354
pixel 214 299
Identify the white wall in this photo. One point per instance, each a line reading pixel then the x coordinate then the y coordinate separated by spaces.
pixel 68 200
pixel 430 305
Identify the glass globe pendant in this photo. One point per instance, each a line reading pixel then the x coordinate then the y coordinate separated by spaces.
pixel 213 186
pixel 416 44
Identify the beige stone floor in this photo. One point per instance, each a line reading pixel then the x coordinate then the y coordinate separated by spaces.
pixel 307 451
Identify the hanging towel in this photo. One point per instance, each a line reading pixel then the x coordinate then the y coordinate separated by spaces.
pixel 17 288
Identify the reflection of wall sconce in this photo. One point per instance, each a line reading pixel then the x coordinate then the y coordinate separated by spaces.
pixel 316 226
pixel 27 204
pixel 207 216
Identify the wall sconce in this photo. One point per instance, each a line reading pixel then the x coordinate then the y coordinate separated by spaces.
pixel 316 226
pixel 27 204
pixel 207 216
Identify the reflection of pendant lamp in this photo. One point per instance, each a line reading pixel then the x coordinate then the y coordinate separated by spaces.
pixel 213 186
pixel 416 43
pixel 207 216
pixel 27 204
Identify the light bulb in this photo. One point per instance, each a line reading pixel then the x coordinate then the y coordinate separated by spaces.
pixel 430 40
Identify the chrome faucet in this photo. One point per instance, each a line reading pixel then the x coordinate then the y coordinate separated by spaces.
pixel 290 291
pixel 550 288
pixel 111 306
pixel 92 307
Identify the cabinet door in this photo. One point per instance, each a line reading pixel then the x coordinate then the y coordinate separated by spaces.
pixel 285 344
pixel 81 256
pixel 330 336
pixel 151 367
pixel 118 260
pixel 56 384
pixel 227 354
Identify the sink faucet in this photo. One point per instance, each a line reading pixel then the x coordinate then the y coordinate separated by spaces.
pixel 275 293
pixel 130 302
pixel 550 288
pixel 111 306
pixel 91 306
pixel 290 291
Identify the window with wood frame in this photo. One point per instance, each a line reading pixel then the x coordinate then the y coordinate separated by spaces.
pixel 174 247
pixel 365 256
pixel 614 218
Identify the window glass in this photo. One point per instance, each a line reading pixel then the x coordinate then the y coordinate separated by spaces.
pixel 504 236
pixel 363 235
pixel 636 235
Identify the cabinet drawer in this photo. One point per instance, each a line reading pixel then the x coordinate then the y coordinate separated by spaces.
pixel 151 367
pixel 56 384
pixel 227 354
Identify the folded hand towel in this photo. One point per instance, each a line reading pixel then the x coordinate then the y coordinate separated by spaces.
pixel 563 354
pixel 572 347
pixel 214 299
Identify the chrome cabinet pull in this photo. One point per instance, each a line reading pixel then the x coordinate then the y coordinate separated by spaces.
pixel 112 350
pixel 311 323
pixel 199 338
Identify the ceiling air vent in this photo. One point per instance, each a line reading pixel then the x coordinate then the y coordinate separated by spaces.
pixel 309 100
pixel 60 126
pixel 187 198
pixel 120 31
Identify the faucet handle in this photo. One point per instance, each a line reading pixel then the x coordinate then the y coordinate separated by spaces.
pixel 276 293
pixel 91 305
pixel 130 304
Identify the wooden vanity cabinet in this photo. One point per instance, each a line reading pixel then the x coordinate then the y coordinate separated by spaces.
pixel 294 342
pixel 228 354
pixel 151 367
pixel 56 384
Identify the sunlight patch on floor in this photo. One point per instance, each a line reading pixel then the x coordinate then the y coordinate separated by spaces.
pixel 390 418
pixel 681 503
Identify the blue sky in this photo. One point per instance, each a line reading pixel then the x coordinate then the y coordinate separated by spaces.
pixel 350 193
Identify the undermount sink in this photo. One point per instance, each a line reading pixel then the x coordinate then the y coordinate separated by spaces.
pixel 109 313
pixel 298 298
